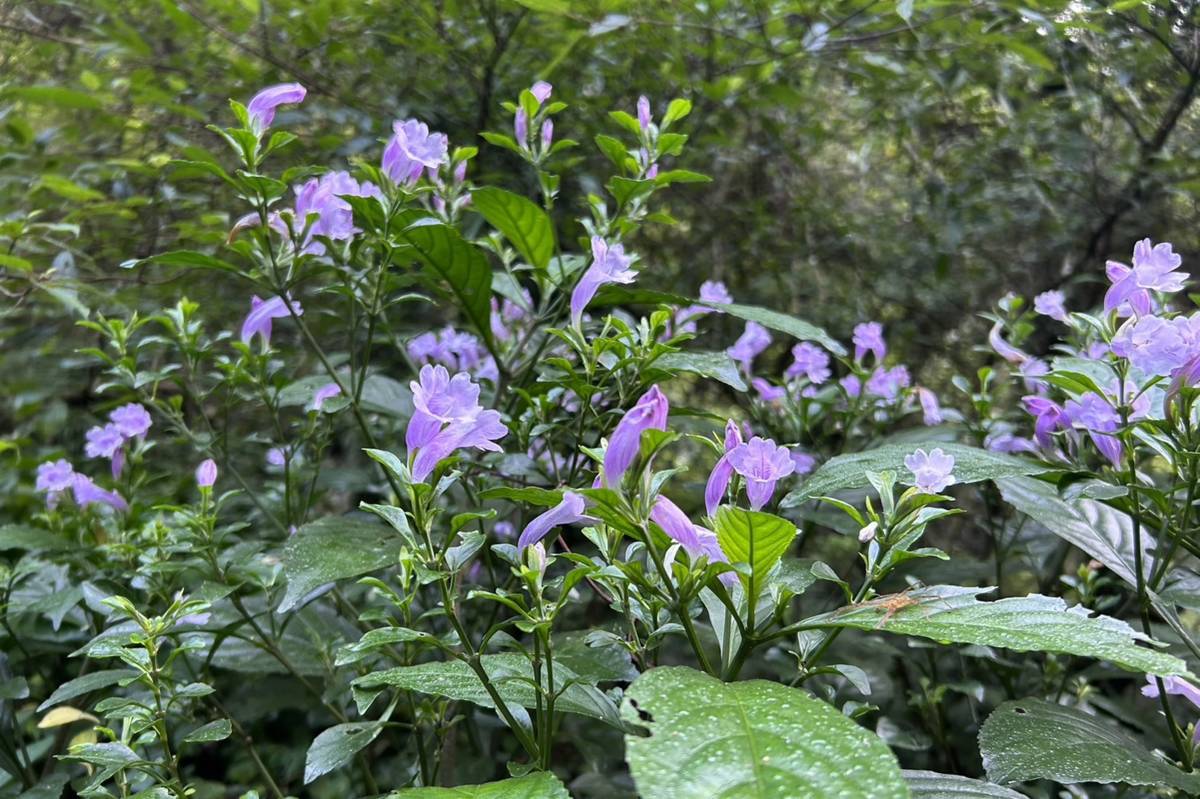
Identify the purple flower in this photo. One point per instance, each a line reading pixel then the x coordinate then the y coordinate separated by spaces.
pixel 803 461
pixel 87 492
pixel 547 133
pixel 1032 371
pixel 643 114
pixel 1049 417
pixel 322 198
pixel 610 264
pixel 714 291
pixel 261 109
pixel 868 337
pixel 718 480
pixel 763 463
pixel 810 361
pixel 439 399
pixel 479 433
pixel 276 457
pixel 768 393
pixel 932 471
pixel 675 523
pixel 258 321
pixel 1153 269
pixel 412 149
pixel 887 383
pixel 1050 303
pixel 104 442
pixel 930 407
pixel 325 392
pixel 206 473
pixel 1093 413
pixel 55 476
pixel 754 340
pixel 541 91
pixel 1007 442
pixel 851 385
pixel 1005 350
pixel 521 127
pixel 568 511
pixel 650 413
pixel 1158 346
pixel 131 420
pixel 504 529
pixel 1175 686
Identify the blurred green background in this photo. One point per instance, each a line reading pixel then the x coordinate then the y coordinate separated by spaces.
pixel 907 161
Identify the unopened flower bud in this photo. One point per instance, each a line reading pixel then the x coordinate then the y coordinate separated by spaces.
pixel 547 134
pixel 535 557
pixel 206 473
pixel 521 127
pixel 868 533
pixel 643 112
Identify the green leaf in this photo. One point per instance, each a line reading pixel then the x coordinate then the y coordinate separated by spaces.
pixel 1035 623
pixel 522 222
pixel 971 465
pixel 751 740
pixel 540 785
pixel 33 539
pixel 85 685
pixel 55 95
pixel 15 263
pixel 678 109
pixel 217 730
pixel 797 328
pixel 931 785
pixel 184 259
pixel 1030 739
pixel 461 265
pixel 336 746
pixel 510 673
pixel 715 365
pixel 748 536
pixel 545 497
pixel 332 549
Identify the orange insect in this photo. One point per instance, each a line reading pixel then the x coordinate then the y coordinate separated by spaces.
pixel 891 603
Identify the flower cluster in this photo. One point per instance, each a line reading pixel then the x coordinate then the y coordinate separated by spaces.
pixel 455 350
pixel 54 478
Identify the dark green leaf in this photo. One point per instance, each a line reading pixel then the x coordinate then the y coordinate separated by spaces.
pixel 523 223
pixel 332 549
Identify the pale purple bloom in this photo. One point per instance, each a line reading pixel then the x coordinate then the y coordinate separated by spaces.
pixel 1050 303
pixel 276 457
pixel 206 473
pixel 1007 442
pixel 104 442
pixel 568 511
pixel 439 399
pixel 425 348
pixel 1097 350
pixel 541 91
pixel 258 321
pixel 1005 350
pixel 55 476
pixel 1032 372
pixel 803 461
pixel 479 433
pixel 610 264
pixel 413 149
pixel 1049 417
pixel 325 392
pixel 887 383
pixel 931 409
pixel 1138 402
pixel 810 361
pixel 868 337
pixel 261 109
pixel 932 471
pixel 763 463
pixel 714 291
pixel 643 113
pixel 650 413
pixel 1175 686
pixel 722 473
pixel 675 523
pixel 507 314
pixel 504 529
pixel 521 127
pixel 334 219
pixel 1094 413
pixel 851 385
pixel 87 492
pixel 1158 346
pixel 1153 269
pixel 750 344
pixel 547 133
pixel 767 392
pixel 131 420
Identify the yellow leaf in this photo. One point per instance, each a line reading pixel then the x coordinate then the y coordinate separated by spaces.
pixel 64 715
